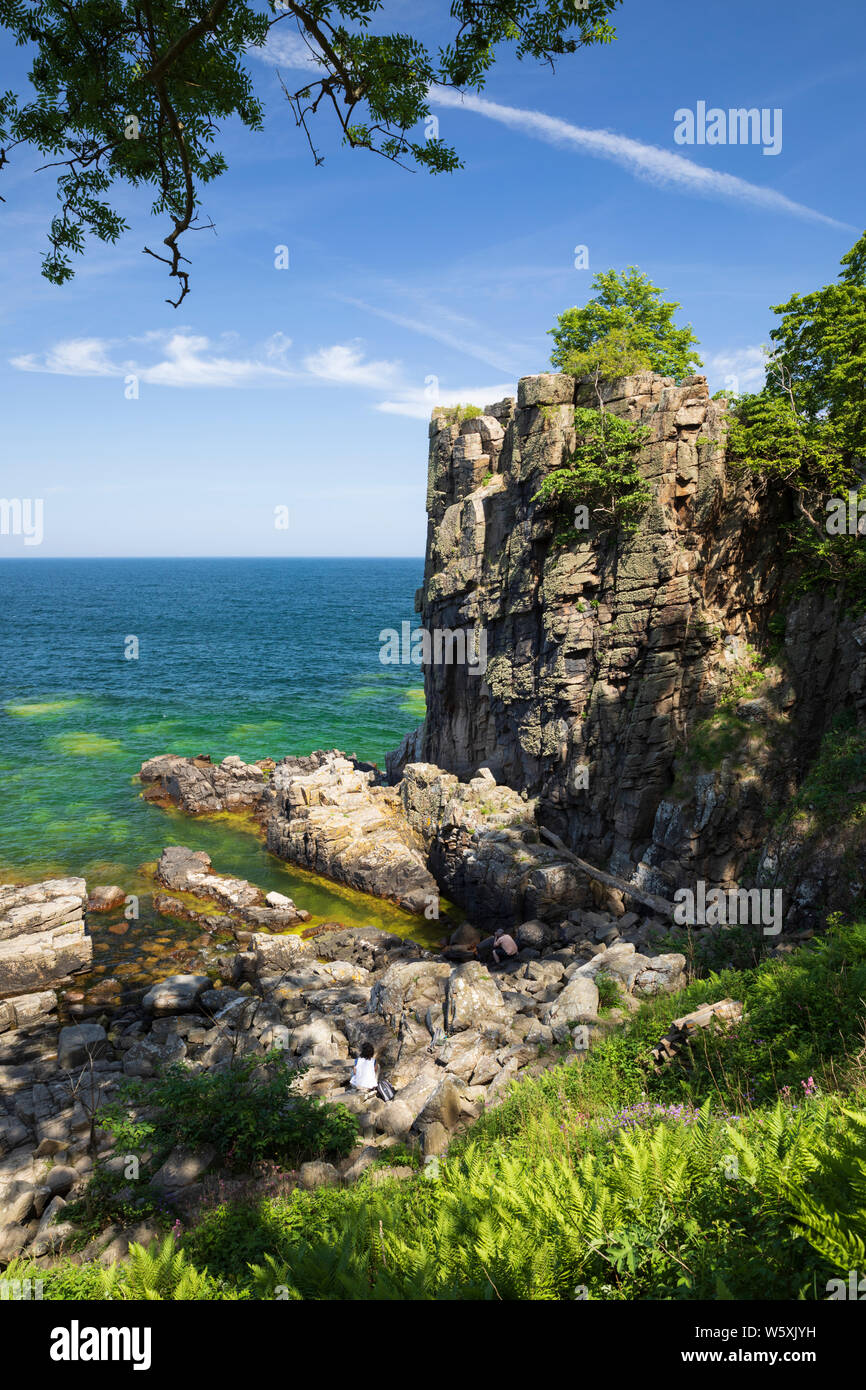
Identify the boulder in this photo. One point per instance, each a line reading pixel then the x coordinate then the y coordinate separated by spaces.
pixel 536 934
pixel 105 898
pixel 442 1106
pixel 181 1168
pixel 473 999
pixel 578 1003
pixel 13 1238
pixel 80 1044
pixel 60 1179
pixel 274 954
pixel 317 1174
pixel 465 935
pixel 336 821
pixel 637 974
pixel 177 994
pixel 409 987
pixel 199 786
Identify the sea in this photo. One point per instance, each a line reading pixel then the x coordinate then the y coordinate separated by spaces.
pixel 107 662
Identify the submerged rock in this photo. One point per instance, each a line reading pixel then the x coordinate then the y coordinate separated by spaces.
pixel 105 898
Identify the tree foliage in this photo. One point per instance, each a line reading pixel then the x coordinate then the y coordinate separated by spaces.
pixel 603 473
pixel 806 429
pixel 627 327
pixel 137 92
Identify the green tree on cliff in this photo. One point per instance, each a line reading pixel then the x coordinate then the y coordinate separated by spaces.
pixel 806 429
pixel 136 92
pixel 627 327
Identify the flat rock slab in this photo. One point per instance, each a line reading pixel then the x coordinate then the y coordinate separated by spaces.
pixel 178 994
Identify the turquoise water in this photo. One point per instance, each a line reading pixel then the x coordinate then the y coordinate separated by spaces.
pixel 256 657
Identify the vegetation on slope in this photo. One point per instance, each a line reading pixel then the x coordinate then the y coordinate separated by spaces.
pixel 736 1172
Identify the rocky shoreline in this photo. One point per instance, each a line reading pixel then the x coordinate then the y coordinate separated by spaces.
pixel 451 1037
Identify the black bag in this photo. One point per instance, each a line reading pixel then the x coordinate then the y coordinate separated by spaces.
pixel 384 1090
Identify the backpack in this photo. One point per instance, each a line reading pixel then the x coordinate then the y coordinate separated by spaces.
pixel 384 1090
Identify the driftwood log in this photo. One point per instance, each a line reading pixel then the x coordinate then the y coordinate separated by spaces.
pixel 719 1016
pixel 629 890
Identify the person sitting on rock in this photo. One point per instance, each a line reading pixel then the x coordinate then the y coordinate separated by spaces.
pixel 365 1077
pixel 504 946
pixel 484 949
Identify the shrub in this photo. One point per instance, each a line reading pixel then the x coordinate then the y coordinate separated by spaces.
pixel 602 473
pixel 247 1113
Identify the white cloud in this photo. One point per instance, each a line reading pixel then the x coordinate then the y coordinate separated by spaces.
pixel 418 404
pixel 189 361
pixel 72 357
pixel 742 369
pixel 648 162
pixel 184 359
pixel 344 364
pixel 287 50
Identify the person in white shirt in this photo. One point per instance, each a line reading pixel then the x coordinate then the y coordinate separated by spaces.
pixel 365 1077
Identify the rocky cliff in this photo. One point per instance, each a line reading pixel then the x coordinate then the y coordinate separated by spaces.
pixel 631 684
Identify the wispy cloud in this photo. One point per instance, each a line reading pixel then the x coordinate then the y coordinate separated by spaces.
pixel 186 360
pixel 285 49
pixel 419 403
pixel 183 359
pixel 648 162
pixel 344 365
pixel 470 342
pixel 72 357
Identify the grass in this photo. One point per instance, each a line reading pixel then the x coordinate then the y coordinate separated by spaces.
pixel 834 789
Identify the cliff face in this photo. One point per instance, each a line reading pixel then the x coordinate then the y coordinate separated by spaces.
pixel 607 658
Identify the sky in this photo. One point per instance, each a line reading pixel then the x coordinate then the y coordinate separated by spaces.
pixel 283 411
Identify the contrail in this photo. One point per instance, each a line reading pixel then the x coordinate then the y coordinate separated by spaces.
pixel 647 162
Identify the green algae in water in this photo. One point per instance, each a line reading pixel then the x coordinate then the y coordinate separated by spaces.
pixel 261 658
pixel 82 744
pixel 264 729
pixel 413 702
pixel 41 709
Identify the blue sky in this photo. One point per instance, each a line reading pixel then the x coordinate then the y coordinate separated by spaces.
pixel 309 388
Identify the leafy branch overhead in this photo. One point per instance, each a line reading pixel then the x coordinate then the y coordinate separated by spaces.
pixel 138 92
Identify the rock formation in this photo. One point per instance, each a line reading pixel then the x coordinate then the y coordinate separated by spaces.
pixel 336 821
pixel 42 942
pixel 604 656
